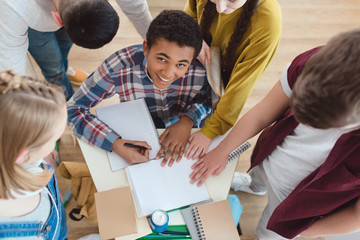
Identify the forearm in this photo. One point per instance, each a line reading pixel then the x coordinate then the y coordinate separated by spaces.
pixel 343 221
pixel 117 145
pixel 247 127
pixel 259 117
pixel 86 127
pixel 198 112
pixel 138 13
pixel 13 55
pixel 187 122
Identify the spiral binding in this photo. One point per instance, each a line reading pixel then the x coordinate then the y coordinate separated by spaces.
pixel 198 224
pixel 238 151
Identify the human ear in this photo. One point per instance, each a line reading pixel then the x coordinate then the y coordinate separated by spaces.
pixel 22 157
pixel 145 48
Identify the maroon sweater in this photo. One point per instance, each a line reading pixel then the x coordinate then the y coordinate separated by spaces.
pixel 331 186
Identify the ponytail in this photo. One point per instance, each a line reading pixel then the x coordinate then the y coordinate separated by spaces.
pixel 242 26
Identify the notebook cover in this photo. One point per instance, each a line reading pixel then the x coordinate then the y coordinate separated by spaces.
pixel 217 221
pixel 115 211
pixel 213 69
pixel 189 219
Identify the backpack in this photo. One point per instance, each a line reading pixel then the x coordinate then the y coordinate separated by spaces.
pixel 82 188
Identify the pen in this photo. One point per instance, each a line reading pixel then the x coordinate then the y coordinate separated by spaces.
pixel 174 233
pixel 134 146
pixel 178 208
pixel 165 236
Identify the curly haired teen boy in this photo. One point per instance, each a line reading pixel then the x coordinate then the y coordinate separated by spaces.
pixel 163 71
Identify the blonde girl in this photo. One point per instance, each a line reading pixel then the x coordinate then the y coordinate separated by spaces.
pixel 32 118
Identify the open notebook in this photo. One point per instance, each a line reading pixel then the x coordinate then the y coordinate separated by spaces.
pixel 132 121
pixel 155 187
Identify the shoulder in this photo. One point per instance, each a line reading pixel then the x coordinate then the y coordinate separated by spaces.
pixel 196 67
pixel 126 57
pixel 268 18
pixel 293 70
pixel 28 13
pixel 297 65
pixel 15 6
pixel 269 9
pixel 13 10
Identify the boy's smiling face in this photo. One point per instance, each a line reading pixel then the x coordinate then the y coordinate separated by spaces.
pixel 167 61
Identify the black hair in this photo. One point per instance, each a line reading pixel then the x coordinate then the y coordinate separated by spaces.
pixel 242 25
pixel 175 26
pixel 90 24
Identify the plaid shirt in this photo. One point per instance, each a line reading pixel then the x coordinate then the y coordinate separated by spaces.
pixel 124 73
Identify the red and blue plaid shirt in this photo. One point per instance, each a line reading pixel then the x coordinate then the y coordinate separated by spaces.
pixel 124 73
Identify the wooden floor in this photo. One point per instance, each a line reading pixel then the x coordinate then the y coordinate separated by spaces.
pixel 306 24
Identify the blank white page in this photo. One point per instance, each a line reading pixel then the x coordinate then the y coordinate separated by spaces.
pixel 132 121
pixel 155 187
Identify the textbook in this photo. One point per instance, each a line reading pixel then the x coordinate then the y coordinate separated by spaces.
pixel 210 221
pixel 132 121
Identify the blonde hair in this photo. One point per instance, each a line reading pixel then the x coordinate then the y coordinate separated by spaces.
pixel 28 110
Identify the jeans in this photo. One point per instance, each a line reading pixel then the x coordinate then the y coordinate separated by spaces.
pixel 50 51
pixel 54 228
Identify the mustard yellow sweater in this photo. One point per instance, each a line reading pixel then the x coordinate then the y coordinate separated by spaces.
pixel 254 55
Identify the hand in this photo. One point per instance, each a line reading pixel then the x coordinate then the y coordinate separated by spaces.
pixel 131 155
pixel 198 145
pixel 174 140
pixel 213 163
pixel 204 53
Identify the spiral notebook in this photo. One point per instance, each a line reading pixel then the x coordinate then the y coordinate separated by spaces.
pixel 211 221
pixel 235 153
pixel 239 150
pixel 132 121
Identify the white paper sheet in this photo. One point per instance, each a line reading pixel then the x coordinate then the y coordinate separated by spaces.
pixel 132 121
pixel 155 187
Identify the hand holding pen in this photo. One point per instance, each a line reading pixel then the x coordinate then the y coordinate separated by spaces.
pixel 132 151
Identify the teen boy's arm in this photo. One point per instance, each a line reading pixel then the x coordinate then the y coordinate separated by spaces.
pixel 343 221
pixel 173 141
pixel 101 85
pixel 175 138
pixel 89 128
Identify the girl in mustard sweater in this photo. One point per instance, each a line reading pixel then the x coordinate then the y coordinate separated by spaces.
pixel 248 34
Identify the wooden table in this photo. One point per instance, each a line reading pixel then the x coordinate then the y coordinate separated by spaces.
pixel 105 179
